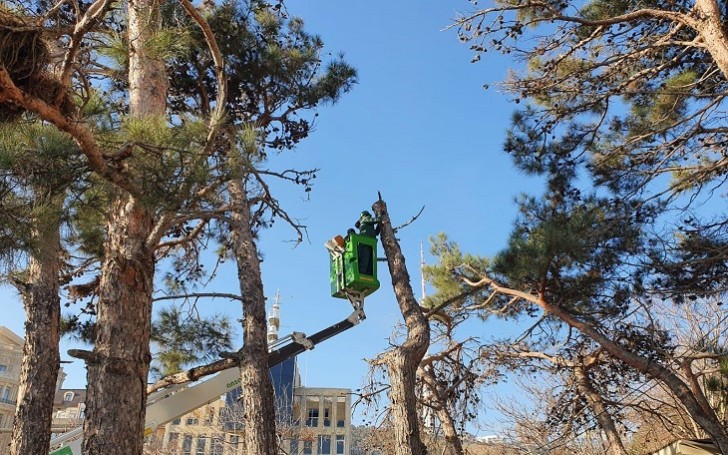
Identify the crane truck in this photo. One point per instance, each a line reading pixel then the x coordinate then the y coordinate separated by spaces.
pixel 353 275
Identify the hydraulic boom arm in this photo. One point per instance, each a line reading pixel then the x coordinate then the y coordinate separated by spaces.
pixel 175 401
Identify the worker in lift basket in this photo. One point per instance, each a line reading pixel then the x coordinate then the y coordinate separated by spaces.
pixel 367 225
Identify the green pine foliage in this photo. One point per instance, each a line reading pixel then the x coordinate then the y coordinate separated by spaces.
pixel 623 120
pixel 275 73
pixel 184 339
pixel 446 275
pixel 40 166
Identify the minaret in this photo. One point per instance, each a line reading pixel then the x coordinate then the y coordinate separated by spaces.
pixel 274 321
pixel 428 416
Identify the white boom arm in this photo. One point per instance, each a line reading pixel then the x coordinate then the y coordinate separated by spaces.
pixel 177 400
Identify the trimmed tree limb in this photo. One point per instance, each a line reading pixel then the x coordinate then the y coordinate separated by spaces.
pixel 402 361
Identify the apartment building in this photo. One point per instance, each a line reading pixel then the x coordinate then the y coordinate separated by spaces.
pixel 68 409
pixel 322 421
pixel 319 423
pixel 11 358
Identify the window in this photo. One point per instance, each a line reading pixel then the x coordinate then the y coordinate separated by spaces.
pixel 68 396
pixel 324 444
pixel 177 421
pixel 327 420
pixel 339 444
pixel 192 421
pixel 294 447
pixel 307 447
pixel 210 416
pixel 216 447
pixel 187 445
pixel 200 446
pixel 340 411
pixel 3 368
pixel 6 394
pixel 173 441
pixel 313 415
pixel 328 403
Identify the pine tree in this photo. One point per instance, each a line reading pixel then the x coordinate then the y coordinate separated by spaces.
pixel 165 177
pixel 40 170
pixel 270 88
pixel 623 107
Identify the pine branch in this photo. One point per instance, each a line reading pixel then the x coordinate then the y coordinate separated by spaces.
pixel 80 132
pixel 199 295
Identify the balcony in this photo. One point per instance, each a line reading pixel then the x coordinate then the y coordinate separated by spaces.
pixel 9 376
pixel 63 424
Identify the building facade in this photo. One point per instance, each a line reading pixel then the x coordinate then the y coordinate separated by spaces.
pixel 308 420
pixel 322 421
pixel 68 409
pixel 319 423
pixel 11 358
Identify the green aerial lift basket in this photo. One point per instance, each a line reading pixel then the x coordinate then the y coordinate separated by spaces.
pixel 354 272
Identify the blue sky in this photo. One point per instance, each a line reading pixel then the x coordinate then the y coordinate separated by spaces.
pixel 419 128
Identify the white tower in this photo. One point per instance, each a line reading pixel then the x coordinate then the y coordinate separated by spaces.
pixel 274 321
pixel 428 416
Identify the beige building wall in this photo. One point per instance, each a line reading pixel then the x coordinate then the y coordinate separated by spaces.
pixel 200 433
pixel 68 410
pixel 11 358
pixel 323 416
pixel 320 424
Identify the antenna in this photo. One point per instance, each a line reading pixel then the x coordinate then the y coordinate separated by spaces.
pixel 422 271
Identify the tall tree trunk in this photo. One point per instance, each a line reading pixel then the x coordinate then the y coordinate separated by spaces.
pixel 453 444
pixel 119 365
pixel 41 357
pixel 148 83
pixel 601 413
pixel 402 361
pixel 257 394
pixel 444 413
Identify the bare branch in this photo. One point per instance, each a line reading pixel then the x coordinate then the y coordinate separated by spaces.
pixel 412 220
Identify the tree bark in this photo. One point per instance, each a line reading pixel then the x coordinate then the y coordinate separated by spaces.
pixel 710 25
pixel 41 358
pixel 119 365
pixel 453 445
pixel 257 389
pixel 402 361
pixel 601 413
pixel 443 407
pixel 148 83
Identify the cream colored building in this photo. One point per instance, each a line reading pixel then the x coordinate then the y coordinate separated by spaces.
pixel 11 358
pixel 324 421
pixel 319 423
pixel 68 409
